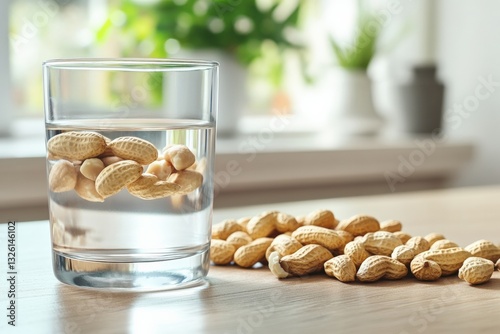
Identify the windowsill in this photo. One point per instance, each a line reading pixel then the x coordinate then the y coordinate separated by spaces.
pixel 318 159
pixel 260 161
pixel 26 140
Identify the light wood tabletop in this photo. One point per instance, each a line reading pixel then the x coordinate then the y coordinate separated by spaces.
pixel 235 300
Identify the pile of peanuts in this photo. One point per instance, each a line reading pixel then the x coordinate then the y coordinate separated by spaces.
pixel 96 167
pixel 359 248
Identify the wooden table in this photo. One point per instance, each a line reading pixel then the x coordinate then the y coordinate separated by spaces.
pixel 236 300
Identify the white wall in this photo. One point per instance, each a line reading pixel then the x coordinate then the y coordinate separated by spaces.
pixel 466 38
pixel 468 48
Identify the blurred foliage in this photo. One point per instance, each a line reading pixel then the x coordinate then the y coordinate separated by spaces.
pixel 240 27
pixel 360 51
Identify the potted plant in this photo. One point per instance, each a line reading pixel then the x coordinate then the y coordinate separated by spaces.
pixel 353 103
pixel 235 33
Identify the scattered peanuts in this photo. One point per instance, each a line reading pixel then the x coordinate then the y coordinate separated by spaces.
pixel 262 225
pixel 380 242
pixel 311 234
pixel 380 266
pixel 323 218
pixel 476 270
pixel 425 270
pixel 404 237
pixel 342 268
pixel 348 237
pixel 357 252
pixel 248 255
pixel 221 252
pixel 243 222
pixel 433 237
pixel 418 244
pixel 275 267
pixel 286 223
pixel 308 259
pixel 355 249
pixel 391 226
pixel 403 254
pixel 283 244
pixel 224 229
pixel 238 239
pixel 449 259
pixel 485 249
pixel 96 167
pixel 359 225
pixel 443 244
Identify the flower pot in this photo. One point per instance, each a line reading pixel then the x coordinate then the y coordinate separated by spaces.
pixel 353 112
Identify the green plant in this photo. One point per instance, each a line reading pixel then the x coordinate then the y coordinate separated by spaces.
pixel 358 53
pixel 240 27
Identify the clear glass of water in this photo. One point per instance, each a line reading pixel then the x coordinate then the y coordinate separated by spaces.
pixel 130 152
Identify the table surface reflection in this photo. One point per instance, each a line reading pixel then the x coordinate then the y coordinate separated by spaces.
pixel 235 300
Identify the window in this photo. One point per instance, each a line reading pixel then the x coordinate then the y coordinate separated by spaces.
pixel 40 30
pixel 45 29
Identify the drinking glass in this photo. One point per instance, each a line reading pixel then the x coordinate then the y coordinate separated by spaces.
pixel 130 155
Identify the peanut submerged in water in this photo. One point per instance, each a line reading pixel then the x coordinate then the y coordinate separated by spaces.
pixel 75 145
pixel 97 167
pixel 62 176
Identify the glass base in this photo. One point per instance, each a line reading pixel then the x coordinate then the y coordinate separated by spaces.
pixel 132 276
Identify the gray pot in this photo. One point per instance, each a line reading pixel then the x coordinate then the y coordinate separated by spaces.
pixel 419 102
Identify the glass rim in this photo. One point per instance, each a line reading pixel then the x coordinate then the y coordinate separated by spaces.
pixel 130 64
